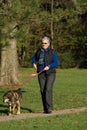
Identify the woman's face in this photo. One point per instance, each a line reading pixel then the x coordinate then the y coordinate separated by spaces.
pixel 45 44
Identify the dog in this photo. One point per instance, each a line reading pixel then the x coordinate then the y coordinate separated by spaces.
pixel 13 98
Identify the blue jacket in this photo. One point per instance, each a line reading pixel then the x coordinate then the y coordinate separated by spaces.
pixel 45 58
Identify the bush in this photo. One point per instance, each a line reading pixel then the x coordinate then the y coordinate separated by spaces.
pixel 65 60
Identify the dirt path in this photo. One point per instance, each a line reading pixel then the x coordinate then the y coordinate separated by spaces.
pixel 32 115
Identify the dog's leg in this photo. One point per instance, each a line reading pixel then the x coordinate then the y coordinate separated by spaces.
pixel 13 109
pixel 10 109
pixel 18 107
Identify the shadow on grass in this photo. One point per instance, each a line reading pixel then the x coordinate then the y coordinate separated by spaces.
pixel 26 109
pixel 4 109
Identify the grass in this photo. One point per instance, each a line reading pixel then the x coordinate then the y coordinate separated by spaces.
pixel 70 91
pixel 70 88
pixel 63 122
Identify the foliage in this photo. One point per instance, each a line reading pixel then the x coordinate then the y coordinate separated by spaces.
pixel 33 19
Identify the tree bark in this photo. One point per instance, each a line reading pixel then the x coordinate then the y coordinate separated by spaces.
pixel 9 63
pixel 52 20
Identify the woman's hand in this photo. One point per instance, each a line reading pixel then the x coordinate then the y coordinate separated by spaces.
pixel 46 68
pixel 35 66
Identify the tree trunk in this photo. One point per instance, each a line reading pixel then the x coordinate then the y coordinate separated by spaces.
pixel 52 20
pixel 9 64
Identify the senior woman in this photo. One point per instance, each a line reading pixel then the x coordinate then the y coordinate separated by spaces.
pixel 45 60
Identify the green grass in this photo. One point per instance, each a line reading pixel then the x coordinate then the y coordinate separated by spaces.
pixel 63 122
pixel 70 88
pixel 70 91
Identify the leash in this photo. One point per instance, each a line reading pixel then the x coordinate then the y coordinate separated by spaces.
pixel 29 79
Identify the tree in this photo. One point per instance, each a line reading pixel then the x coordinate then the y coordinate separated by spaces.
pixel 14 29
pixel 9 62
pixel 62 20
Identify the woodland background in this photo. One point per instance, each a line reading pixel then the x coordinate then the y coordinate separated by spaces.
pixel 23 23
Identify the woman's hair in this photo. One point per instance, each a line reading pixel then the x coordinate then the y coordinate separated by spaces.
pixel 46 38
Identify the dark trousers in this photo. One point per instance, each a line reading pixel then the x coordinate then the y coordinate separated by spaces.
pixel 46 85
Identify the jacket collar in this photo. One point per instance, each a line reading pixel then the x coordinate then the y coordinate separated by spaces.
pixel 45 50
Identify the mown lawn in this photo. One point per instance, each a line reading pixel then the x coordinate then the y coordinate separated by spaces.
pixel 63 122
pixel 70 91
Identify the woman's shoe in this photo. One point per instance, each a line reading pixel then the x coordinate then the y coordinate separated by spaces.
pixel 48 112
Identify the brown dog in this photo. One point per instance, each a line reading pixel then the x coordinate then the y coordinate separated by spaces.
pixel 13 98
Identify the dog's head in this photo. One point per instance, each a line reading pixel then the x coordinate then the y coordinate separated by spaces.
pixel 7 98
pixel 12 96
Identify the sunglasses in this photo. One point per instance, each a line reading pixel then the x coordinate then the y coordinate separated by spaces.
pixel 44 43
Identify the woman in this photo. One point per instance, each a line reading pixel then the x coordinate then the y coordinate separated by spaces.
pixel 45 61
